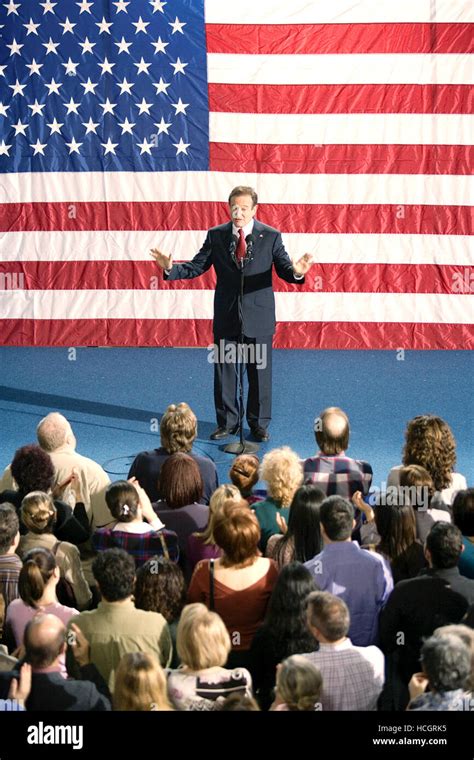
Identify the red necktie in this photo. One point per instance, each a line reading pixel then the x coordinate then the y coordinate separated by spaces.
pixel 241 247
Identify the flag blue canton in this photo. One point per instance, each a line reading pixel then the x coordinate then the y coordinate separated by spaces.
pixel 103 86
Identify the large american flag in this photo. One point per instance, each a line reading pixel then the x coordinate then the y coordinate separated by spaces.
pixel 124 125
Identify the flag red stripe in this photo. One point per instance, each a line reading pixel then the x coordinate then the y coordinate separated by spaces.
pixel 342 159
pixel 322 218
pixel 341 98
pixel 198 332
pixel 290 39
pixel 143 275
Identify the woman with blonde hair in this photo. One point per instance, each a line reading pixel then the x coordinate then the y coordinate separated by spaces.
pixel 203 545
pixel 282 470
pixel 39 515
pixel 140 684
pixel 298 685
pixel 202 682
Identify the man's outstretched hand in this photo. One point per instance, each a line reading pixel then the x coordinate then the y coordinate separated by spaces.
pixel 303 264
pixel 165 262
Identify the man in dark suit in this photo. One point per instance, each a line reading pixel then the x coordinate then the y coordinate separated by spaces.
pixel 45 645
pixel 244 243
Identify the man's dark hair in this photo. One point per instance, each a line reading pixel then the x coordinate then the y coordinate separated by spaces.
pixel 463 511
pixel 244 190
pixel 446 662
pixel 444 542
pixel 32 469
pixel 9 526
pixel 337 516
pixel 114 571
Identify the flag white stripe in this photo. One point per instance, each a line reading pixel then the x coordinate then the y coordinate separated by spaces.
pixel 337 11
pixel 287 189
pixel 455 250
pixel 341 129
pixel 198 304
pixel 350 68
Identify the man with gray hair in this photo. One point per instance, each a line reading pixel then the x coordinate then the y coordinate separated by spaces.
pixel 56 437
pixel 446 663
pixel 353 676
pixel 330 469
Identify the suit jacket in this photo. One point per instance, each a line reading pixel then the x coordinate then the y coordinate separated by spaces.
pixel 51 692
pixel 259 300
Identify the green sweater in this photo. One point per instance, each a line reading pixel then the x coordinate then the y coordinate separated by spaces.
pixel 266 512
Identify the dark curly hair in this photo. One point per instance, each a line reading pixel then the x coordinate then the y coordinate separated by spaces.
pixel 114 571
pixel 32 469
pixel 431 444
pixel 463 511
pixel 9 526
pixel 160 587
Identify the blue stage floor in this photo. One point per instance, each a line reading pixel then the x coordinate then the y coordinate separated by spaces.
pixel 113 395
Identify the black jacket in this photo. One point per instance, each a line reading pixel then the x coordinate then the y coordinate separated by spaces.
pixel 259 300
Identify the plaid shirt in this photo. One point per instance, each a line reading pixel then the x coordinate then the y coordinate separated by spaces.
pixel 10 566
pixel 338 475
pixel 141 546
pixel 353 677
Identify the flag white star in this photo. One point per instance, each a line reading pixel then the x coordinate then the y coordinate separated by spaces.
pixel 106 66
pixel 2 71
pixel 15 47
pixel 142 67
pixel 108 107
pixel 87 46
pixel 4 148
pixel 180 107
pixel 53 87
pixel 68 26
pixel 141 25
pixel 123 45
pixel 145 147
pixel 127 126
pixel 162 126
pixel 35 67
pixel 17 88
pixel 104 26
pixel 161 86
pixel 74 146
pixel 48 7
pixel 181 147
pixel 157 5
pixel 31 27
pixel 91 126
pixel 55 127
pixel 178 67
pixel 38 147
pixel 144 107
pixel 12 7
pixel 3 109
pixel 72 107
pixel 50 46
pixel 89 86
pixel 125 86
pixel 109 147
pixel 70 67
pixel 177 26
pixel 37 108
pixel 84 8
pixel 20 128
pixel 160 46
pixel 121 6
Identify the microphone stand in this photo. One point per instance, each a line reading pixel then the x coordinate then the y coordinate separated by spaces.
pixel 242 447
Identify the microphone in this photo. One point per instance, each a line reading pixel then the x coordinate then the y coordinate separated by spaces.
pixel 232 248
pixel 249 242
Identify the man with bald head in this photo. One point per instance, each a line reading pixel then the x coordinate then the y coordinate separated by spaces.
pixel 330 469
pixel 56 437
pixel 45 645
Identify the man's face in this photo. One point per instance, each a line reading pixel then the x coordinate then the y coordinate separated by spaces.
pixel 241 210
